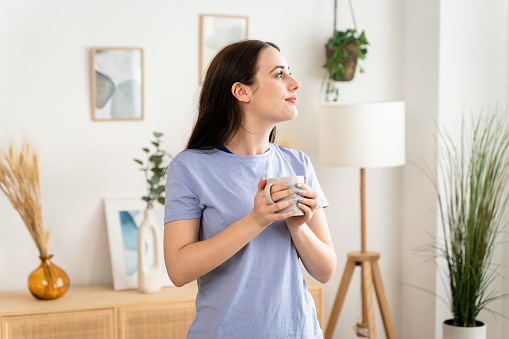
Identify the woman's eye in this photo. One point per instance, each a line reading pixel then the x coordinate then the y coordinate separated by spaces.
pixel 279 75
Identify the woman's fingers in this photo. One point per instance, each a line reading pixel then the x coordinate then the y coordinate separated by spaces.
pixel 282 186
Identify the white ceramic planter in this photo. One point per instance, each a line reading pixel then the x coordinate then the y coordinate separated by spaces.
pixel 456 332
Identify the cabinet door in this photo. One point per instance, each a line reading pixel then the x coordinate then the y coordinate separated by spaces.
pixel 88 324
pixel 316 292
pixel 168 321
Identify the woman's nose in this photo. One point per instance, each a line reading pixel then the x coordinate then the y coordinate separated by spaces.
pixel 294 84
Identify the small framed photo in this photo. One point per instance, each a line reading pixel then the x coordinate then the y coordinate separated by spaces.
pixel 123 218
pixel 117 84
pixel 216 32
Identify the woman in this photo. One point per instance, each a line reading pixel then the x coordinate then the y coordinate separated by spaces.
pixel 244 255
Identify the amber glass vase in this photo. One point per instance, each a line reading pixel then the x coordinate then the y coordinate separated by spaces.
pixel 48 281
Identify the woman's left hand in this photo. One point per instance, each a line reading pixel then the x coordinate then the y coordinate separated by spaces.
pixel 308 205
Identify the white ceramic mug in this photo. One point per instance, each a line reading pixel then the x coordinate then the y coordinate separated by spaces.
pixel 298 179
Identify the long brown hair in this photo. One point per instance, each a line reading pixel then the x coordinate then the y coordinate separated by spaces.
pixel 219 112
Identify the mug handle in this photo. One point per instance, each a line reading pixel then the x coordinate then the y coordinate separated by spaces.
pixel 267 193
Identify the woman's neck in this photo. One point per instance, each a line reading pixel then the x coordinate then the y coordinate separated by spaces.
pixel 248 143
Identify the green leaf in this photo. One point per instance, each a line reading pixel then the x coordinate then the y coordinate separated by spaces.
pixel 160 200
pixel 156 144
pixel 155 179
pixel 146 150
pixel 158 134
pixel 158 171
pixel 138 161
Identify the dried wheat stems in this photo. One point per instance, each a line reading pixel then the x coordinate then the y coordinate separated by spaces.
pixel 19 180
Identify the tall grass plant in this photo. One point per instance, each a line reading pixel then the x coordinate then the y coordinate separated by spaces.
pixel 472 198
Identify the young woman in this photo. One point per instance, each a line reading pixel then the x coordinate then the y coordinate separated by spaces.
pixel 219 228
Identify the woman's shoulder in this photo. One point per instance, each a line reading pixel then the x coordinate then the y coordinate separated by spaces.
pixel 291 153
pixel 191 154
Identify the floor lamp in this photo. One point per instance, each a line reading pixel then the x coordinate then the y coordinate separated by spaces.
pixel 363 135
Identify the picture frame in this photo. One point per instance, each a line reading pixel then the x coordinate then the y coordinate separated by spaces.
pixel 117 83
pixel 217 31
pixel 123 218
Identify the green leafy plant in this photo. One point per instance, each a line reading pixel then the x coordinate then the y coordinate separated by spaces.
pixel 343 50
pixel 345 46
pixel 155 171
pixel 472 196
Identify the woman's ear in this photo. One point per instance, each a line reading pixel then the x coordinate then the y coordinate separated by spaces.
pixel 241 92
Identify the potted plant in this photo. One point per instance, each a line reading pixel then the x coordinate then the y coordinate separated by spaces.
pixel 343 50
pixel 472 197
pixel 149 277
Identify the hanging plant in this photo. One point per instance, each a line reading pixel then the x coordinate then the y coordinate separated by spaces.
pixel 343 50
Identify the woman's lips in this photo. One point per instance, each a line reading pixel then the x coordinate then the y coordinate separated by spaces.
pixel 292 99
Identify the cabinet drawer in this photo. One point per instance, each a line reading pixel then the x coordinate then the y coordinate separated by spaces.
pixel 88 324
pixel 168 321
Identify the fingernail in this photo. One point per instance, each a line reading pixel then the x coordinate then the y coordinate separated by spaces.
pixel 300 199
pixel 296 190
pixel 299 185
pixel 294 211
pixel 296 199
pixel 299 204
pixel 289 184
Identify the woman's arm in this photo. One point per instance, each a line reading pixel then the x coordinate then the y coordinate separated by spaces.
pixel 314 245
pixel 187 259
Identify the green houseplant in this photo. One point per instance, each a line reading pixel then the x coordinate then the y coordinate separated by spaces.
pixel 155 171
pixel 343 50
pixel 472 196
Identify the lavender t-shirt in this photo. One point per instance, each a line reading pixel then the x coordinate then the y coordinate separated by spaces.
pixel 260 292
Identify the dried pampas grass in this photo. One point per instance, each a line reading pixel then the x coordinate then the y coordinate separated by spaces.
pixel 19 180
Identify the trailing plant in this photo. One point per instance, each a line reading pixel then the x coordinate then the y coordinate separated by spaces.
pixel 19 180
pixel 345 44
pixel 155 171
pixel 472 197
pixel 343 50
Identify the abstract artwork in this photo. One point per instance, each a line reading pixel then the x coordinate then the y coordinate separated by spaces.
pixel 217 31
pixel 124 217
pixel 117 84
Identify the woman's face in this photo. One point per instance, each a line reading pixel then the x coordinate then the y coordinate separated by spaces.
pixel 274 95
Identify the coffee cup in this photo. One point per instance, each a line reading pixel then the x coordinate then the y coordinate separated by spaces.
pixel 298 179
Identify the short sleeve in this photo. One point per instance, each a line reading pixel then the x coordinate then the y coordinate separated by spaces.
pixel 314 184
pixel 181 200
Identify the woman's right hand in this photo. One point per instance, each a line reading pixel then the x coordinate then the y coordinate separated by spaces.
pixel 265 214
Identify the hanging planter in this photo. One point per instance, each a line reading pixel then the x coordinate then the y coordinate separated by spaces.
pixel 343 50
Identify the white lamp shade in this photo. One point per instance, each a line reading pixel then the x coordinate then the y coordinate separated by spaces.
pixel 363 134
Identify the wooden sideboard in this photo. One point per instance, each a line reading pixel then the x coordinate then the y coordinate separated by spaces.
pixel 100 312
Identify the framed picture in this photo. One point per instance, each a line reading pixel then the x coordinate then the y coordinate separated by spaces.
pixel 117 84
pixel 216 32
pixel 123 218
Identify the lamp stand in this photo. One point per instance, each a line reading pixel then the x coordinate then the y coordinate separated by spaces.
pixel 370 276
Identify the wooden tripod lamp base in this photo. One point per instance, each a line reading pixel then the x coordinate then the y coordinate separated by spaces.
pixel 370 276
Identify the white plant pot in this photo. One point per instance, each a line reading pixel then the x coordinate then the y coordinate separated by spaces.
pixel 456 332
pixel 149 276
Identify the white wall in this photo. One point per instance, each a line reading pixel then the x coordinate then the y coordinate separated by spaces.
pixel 45 93
pixel 418 208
